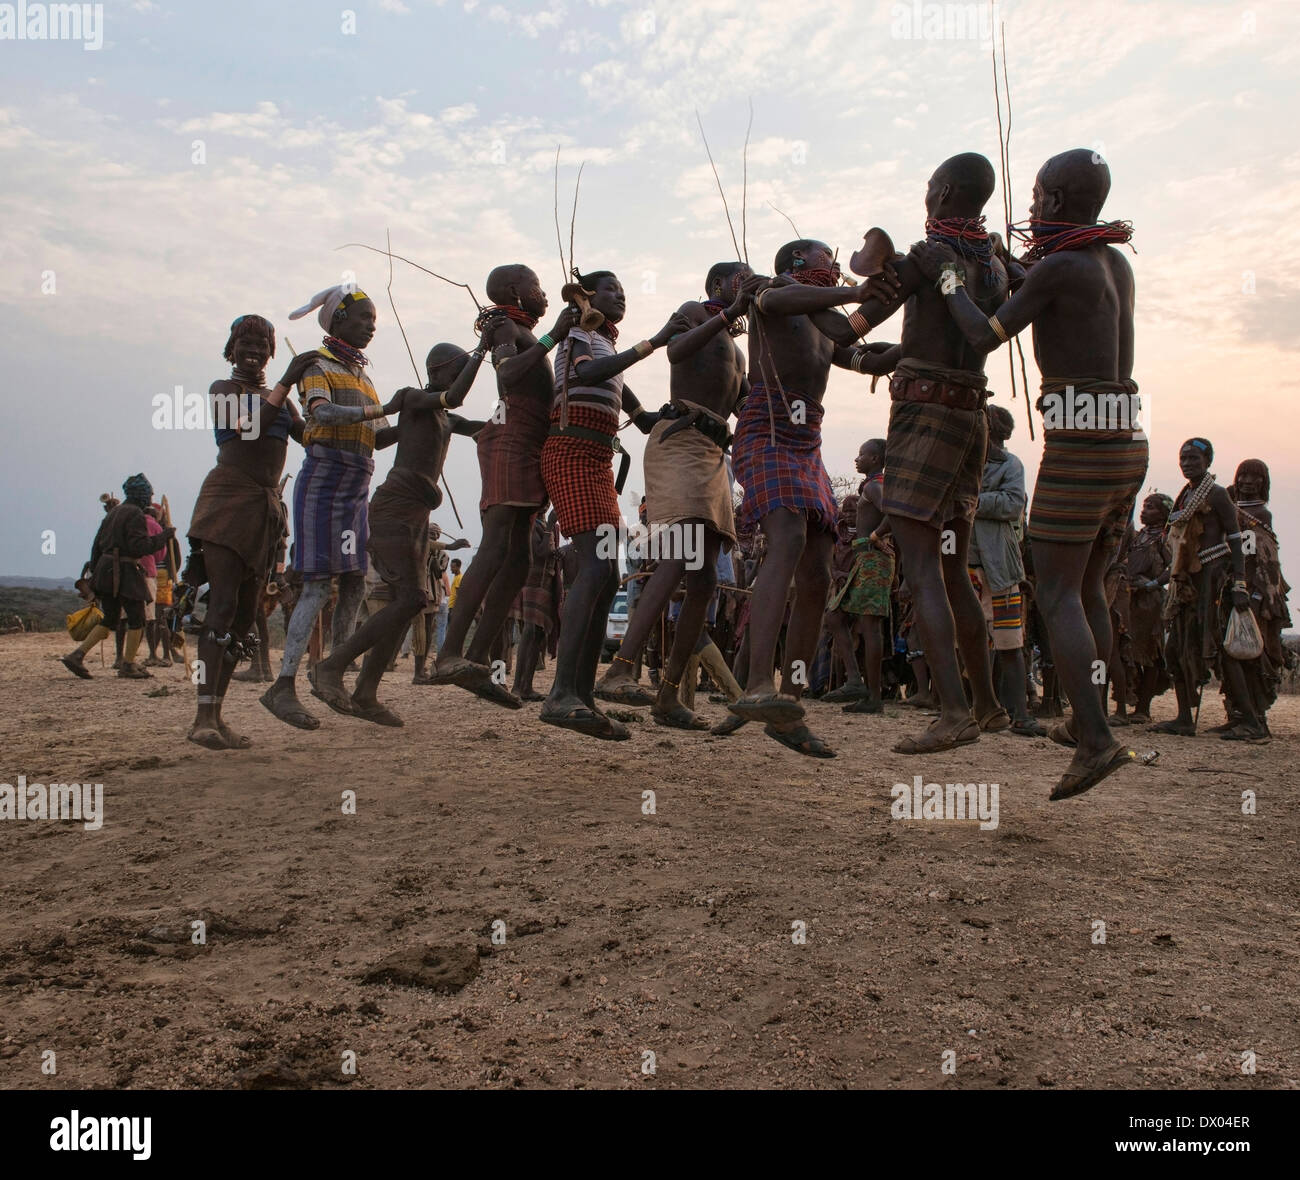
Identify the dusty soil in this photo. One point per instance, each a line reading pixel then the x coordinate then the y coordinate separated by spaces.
pixel 627 933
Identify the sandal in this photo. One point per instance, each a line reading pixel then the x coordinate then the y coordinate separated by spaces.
pixel 727 726
pixel 377 713
pixel 865 704
pixel 580 719
pixel 334 695
pixel 678 717
pixel 76 664
pixel 289 710
pixel 774 708
pixel 627 693
pixel 1062 736
pixel 1175 727
pixel 847 693
pixel 995 721
pixel 932 743
pixel 1075 783
pixel 800 740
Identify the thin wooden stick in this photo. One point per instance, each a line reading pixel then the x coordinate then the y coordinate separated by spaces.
pixel 721 192
pixel 392 303
pixel 559 244
pixel 788 218
pixel 415 368
pixel 744 186
pixel 573 217
pixel 434 273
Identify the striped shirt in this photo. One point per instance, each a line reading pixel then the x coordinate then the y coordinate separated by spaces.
pixel 342 384
pixel 607 397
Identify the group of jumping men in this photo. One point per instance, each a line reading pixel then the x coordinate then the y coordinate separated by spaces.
pixel 554 433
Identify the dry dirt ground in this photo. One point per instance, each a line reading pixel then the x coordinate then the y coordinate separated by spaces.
pixel 628 934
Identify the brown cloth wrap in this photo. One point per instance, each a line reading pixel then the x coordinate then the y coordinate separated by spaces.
pixel 237 512
pixel 686 478
pixel 934 454
pixel 399 529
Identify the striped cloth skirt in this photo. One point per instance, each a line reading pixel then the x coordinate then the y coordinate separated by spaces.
pixel 330 520
pixel 1088 480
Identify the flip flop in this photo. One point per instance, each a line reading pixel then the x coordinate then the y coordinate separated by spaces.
pixel 377 713
pixel 234 741
pixel 931 743
pixel 456 669
pixel 1029 728
pixel 800 740
pixel 580 719
pixel 678 717
pixel 727 726
pixel 531 695
pixel 76 667
pixel 614 730
pixel 1174 728
pixel 336 698
pixel 865 704
pixel 207 737
pixel 1062 736
pixel 133 672
pixel 291 713
pixel 1118 720
pixel 773 708
pixel 1072 783
pixel 626 694
pixel 1244 733
pixel 995 721
pixel 846 692
pixel 498 694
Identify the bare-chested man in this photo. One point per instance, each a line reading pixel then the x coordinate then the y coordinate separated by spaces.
pixel 934 458
pixel 1078 297
pixel 399 528
pixel 778 461
pixel 687 486
pixel 510 462
pixel 1206 555
pixel 862 604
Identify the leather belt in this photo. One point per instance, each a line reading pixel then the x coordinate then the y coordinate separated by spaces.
pixel 607 440
pixel 939 393
pixel 710 427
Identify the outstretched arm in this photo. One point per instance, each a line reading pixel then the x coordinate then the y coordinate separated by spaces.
pixel 939 264
pixel 875 359
pixel 691 340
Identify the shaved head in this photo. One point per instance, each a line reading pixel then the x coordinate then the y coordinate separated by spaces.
pixel 961 185
pixel 503 278
pixel 1082 180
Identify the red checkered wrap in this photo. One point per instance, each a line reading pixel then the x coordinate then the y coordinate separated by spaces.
pixel 579 476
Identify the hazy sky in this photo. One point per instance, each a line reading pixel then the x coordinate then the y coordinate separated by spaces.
pixel 207 160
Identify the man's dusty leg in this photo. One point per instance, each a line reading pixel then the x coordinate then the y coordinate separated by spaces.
pixel 504 588
pixel 1072 598
pixel 700 584
pixel 918 545
pixel 786 533
pixel 812 584
pixel 971 629
pixel 589 659
pixel 650 606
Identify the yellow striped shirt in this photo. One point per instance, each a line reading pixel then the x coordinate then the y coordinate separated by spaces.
pixel 342 384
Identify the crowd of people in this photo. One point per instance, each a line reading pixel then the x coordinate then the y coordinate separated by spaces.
pixel 923 578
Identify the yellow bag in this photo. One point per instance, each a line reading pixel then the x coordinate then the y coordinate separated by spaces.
pixel 82 622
